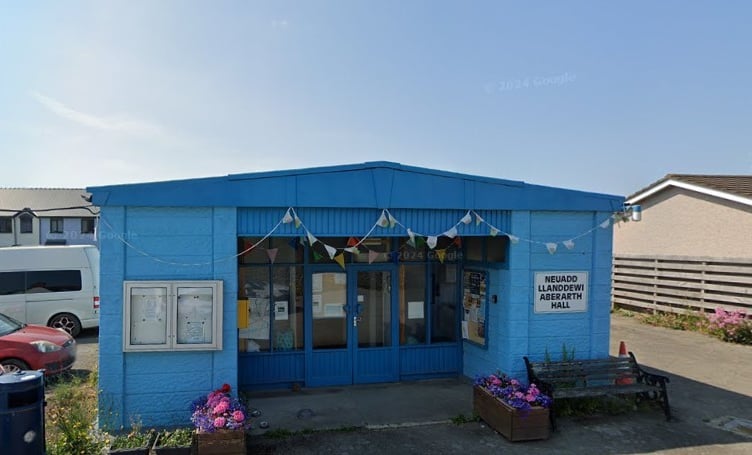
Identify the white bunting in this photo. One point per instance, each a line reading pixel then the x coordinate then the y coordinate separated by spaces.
pixel 412 237
pixel 478 219
pixel 288 217
pixel 494 232
pixel 431 241
pixel 383 220
pixel 514 239
pixel 606 223
pixel 392 221
pixel 352 249
pixel 551 247
pixel 452 233
pixel 467 219
pixel 331 250
pixel 311 238
pixel 569 244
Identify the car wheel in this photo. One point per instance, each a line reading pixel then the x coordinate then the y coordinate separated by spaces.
pixel 13 365
pixel 67 322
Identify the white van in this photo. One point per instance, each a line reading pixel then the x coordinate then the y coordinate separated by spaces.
pixel 57 286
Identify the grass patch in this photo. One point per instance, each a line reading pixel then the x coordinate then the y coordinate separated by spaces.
pixel 609 405
pixel 460 419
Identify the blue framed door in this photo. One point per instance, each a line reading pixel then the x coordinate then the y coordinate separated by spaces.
pixel 350 328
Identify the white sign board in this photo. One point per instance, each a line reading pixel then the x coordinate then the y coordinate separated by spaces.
pixel 561 292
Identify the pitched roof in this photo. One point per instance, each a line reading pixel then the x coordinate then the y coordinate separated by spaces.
pixel 736 188
pixel 45 202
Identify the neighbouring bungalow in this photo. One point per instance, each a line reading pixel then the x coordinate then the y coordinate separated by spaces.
pixel 366 273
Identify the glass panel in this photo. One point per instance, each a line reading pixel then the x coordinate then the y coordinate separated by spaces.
pixel 26 224
pixel 53 281
pixel 445 303
pixel 373 249
pixel 412 295
pixel 6 224
pixel 289 250
pixel 496 248
pixel 373 308
pixel 148 316
pixel 11 283
pixel 319 254
pixel 329 317
pixel 408 253
pixel 253 285
pixel 195 315
pixel 288 308
pixel 257 255
pixel 474 304
pixel 474 248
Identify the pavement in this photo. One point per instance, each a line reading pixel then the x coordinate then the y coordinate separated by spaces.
pixel 710 394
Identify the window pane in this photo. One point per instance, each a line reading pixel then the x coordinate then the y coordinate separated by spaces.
pixel 257 255
pixel 409 253
pixel 288 308
pixel 445 303
pixel 474 248
pixel 474 305
pixel 195 324
pixel 12 283
pixel 496 248
pixel 412 294
pixel 374 249
pixel 374 309
pixel 329 317
pixel 6 225
pixel 53 281
pixel 253 285
pixel 26 224
pixel 56 225
pixel 148 316
pixel 289 250
pixel 87 225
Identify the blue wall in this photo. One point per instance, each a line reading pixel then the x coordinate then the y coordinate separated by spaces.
pixel 514 329
pixel 157 387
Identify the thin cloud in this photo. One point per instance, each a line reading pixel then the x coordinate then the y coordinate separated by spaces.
pixel 124 125
pixel 280 23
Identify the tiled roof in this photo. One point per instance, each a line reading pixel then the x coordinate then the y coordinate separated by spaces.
pixel 732 185
pixel 41 200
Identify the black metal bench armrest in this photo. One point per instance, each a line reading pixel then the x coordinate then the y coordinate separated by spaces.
pixel 649 378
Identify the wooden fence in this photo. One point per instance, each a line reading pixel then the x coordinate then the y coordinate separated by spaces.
pixel 679 284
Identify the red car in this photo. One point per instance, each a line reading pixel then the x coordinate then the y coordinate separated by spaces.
pixel 34 347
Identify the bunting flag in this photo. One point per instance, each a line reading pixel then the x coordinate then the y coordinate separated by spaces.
pixel 317 256
pixel 411 242
pixel 452 233
pixel 419 241
pixel 605 224
pixel 383 220
pixel 353 250
pixel 392 221
pixel 478 219
pixel 458 241
pixel 297 222
pixel 494 232
pixel 514 239
pixel 340 259
pixel 432 240
pixel 287 219
pixel 272 253
pixel 311 238
pixel 551 247
pixel 372 256
pixel 352 241
pixel 331 250
pixel 441 254
pixel 467 219
pixel 569 244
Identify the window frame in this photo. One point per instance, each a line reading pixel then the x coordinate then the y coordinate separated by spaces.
pixel 59 229
pixel 93 225
pixel 23 219
pixel 171 316
pixel 6 221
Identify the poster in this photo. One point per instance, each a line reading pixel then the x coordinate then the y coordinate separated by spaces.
pixel 474 285
pixel 258 319
pixel 415 310
pixel 148 309
pixel 195 315
pixel 281 310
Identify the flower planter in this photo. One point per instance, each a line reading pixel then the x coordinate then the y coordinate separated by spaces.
pixel 514 424
pixel 221 442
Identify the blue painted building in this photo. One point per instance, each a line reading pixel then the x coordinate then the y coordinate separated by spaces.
pixel 375 272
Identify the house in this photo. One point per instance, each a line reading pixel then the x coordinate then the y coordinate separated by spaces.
pixel 692 250
pixel 46 216
pixel 366 273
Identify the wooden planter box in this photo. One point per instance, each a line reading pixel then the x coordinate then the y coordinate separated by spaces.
pixel 219 443
pixel 513 424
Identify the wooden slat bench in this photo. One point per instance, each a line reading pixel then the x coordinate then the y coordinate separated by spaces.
pixel 600 377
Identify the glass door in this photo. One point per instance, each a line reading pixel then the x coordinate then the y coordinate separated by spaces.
pixel 329 351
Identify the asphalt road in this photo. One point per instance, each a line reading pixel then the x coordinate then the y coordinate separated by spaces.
pixel 87 350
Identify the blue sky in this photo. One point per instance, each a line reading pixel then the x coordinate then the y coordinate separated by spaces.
pixel 596 96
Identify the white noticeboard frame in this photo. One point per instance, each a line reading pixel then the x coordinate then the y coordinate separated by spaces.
pixel 172 315
pixel 561 292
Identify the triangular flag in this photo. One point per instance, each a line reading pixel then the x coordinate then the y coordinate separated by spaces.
pixel 383 220
pixel 317 256
pixel 288 217
pixel 452 233
pixel 432 240
pixel 569 244
pixel 411 242
pixel 352 241
pixel 311 238
pixel 494 232
pixel 353 250
pixel 272 253
pixel 514 239
pixel 297 221
pixel 551 247
pixel 467 218
pixel 392 221
pixel 372 256
pixel 478 219
pixel 606 223
pixel 419 241
pixel 331 250
pixel 441 254
pixel 458 242
pixel 340 258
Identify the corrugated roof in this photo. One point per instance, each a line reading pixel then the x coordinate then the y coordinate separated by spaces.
pixel 735 186
pixel 42 200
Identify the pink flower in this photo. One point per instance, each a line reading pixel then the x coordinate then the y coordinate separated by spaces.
pixel 514 382
pixel 238 416
pixel 221 408
pixel 220 422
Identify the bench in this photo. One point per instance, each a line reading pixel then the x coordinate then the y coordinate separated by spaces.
pixel 600 377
